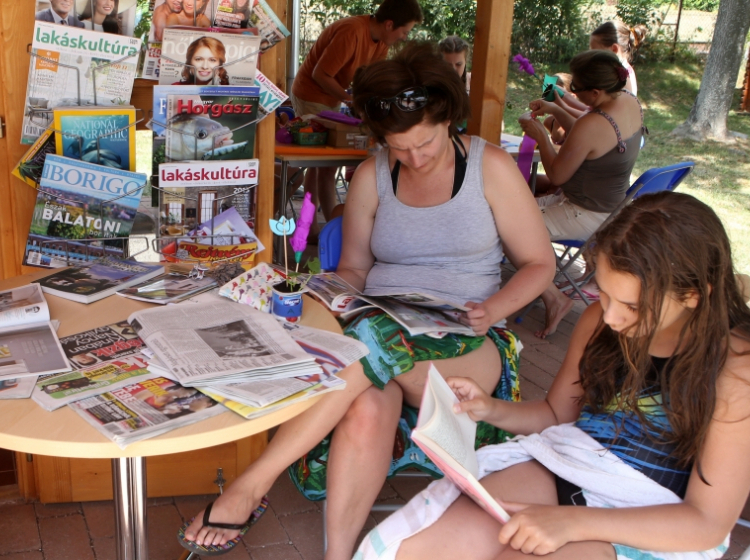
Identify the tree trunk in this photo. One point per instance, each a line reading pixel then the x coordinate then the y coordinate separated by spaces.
pixel 708 117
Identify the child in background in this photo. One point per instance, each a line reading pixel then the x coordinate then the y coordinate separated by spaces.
pixel 645 431
pixel 456 52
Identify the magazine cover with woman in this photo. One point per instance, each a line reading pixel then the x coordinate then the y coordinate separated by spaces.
pixel 198 57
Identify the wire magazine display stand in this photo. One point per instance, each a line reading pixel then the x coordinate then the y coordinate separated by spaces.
pixel 87 250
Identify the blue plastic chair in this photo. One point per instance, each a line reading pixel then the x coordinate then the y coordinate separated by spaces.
pixel 329 244
pixel 652 181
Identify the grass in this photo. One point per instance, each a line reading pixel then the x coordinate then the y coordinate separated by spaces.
pixel 721 177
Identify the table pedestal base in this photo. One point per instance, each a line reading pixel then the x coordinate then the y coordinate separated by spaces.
pixel 129 485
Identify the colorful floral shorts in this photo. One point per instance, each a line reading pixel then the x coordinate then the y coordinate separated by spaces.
pixel 393 352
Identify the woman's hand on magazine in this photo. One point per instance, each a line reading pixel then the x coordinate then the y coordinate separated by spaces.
pixel 537 530
pixel 472 398
pixel 477 317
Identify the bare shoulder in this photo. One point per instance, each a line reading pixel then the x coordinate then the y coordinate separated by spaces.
pixel 733 385
pixel 363 188
pixel 496 158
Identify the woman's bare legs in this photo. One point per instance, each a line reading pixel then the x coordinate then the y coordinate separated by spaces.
pixel 358 463
pixel 363 442
pixel 466 531
pixel 557 306
pixel 293 439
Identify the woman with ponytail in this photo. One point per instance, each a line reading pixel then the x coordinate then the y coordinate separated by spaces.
pixel 592 168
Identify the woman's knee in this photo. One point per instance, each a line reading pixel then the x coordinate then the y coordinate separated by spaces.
pixel 371 412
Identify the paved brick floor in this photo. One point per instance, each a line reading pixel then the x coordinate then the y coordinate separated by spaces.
pixel 292 528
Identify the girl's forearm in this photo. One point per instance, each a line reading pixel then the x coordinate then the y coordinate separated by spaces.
pixel 669 528
pixel 521 418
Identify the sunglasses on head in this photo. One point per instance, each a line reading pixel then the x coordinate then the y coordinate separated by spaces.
pixel 411 99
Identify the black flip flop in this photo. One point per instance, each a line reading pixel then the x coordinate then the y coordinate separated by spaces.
pixel 216 550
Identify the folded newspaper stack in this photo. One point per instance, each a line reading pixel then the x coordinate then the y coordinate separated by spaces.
pixel 219 342
pixel 332 352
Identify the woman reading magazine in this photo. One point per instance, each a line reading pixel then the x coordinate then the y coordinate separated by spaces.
pixel 433 213
pixel 646 428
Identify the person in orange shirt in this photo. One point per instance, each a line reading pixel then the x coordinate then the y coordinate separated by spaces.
pixel 328 69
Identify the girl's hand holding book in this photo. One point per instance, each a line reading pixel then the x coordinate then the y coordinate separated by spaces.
pixel 472 398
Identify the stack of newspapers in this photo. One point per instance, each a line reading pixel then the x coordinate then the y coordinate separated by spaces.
pixel 206 357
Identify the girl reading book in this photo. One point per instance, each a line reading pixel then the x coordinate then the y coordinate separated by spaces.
pixel 645 430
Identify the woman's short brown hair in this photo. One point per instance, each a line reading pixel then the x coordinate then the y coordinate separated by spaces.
pixel 418 64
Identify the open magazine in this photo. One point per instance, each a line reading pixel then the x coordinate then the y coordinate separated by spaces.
pixel 418 313
pixel 104 358
pixel 28 342
pixel 332 352
pixel 219 342
pixel 145 409
pixel 447 439
pixel 172 287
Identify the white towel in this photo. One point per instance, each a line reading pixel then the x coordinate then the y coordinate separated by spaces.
pixel 565 450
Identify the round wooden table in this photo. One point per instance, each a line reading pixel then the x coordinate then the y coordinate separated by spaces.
pixel 27 428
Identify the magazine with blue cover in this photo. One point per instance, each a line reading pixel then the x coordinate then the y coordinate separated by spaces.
pixel 76 201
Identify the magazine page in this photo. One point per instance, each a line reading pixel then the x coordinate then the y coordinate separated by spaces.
pixel 29 350
pixel 23 305
pixel 17 388
pixel 333 290
pixel 56 391
pixel 201 57
pixel 117 18
pixel 251 13
pixel 204 341
pixel 101 344
pixel 145 409
pixel 418 320
pixel 74 66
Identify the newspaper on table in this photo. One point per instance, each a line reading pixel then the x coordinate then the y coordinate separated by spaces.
pixel 104 358
pixel 74 66
pixel 333 352
pixel 203 343
pixel 145 409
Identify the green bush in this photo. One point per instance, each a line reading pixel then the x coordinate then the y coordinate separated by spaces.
pixel 549 30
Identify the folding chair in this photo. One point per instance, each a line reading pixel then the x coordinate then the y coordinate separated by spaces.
pixel 652 181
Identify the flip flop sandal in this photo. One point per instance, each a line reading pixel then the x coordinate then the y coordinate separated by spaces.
pixel 216 550
pixel 590 295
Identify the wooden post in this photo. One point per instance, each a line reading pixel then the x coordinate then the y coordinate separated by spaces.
pixel 265 139
pixel 489 70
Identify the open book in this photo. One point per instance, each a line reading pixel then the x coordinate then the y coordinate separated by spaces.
pixel 447 439
pixel 28 341
pixel 418 313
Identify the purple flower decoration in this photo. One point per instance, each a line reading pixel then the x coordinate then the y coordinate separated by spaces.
pixel 524 64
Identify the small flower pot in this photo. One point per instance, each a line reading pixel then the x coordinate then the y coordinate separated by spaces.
pixel 286 304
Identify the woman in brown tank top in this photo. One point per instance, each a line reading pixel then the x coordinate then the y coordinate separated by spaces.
pixel 593 165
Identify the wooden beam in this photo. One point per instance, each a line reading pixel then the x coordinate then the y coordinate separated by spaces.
pixel 266 141
pixel 489 71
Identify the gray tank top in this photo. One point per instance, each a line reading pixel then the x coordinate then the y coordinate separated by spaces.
pixel 452 250
pixel 600 184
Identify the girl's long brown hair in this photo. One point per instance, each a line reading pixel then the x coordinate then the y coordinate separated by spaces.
pixel 673 244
